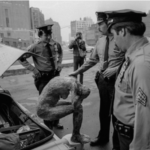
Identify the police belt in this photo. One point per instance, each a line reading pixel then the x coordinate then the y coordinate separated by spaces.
pixel 110 79
pixel 123 129
pixel 47 73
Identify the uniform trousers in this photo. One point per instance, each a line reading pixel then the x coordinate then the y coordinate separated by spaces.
pixel 78 62
pixel 124 142
pixel 125 134
pixel 106 92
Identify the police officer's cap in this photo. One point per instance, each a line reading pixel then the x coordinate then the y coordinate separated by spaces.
pixel 124 17
pixel 101 17
pixel 46 28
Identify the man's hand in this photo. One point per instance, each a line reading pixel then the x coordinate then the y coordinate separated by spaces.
pixel 109 72
pixel 59 67
pixel 73 74
pixel 36 73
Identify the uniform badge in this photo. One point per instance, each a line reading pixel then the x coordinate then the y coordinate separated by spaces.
pixel 123 69
pixel 141 97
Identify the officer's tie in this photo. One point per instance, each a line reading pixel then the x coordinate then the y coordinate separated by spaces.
pixel 106 54
pixel 51 56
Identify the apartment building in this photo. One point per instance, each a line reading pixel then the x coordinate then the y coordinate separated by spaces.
pixel 81 25
pixel 37 18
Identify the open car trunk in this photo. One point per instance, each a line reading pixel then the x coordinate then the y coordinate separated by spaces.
pixel 13 117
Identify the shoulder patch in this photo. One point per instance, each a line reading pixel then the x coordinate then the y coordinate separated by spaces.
pixel 141 97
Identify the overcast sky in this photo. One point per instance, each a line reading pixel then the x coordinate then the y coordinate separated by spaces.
pixel 64 12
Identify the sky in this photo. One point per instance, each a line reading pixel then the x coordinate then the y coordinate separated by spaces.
pixel 64 12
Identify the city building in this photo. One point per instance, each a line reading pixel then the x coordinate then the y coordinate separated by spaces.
pixel 56 30
pixel 146 20
pixel 37 18
pixel 81 25
pixel 15 25
pixel 92 35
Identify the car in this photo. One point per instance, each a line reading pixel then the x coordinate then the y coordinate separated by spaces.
pixel 16 119
pixel 89 49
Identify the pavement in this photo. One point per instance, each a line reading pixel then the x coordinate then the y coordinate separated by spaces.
pixel 23 91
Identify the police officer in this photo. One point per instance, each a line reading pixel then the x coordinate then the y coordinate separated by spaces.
pixel 109 58
pixel 47 63
pixel 132 88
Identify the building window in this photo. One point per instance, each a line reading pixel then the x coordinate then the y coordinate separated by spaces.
pixel 31 33
pixel 7 17
pixel 6 13
pixel 7 22
pixel 25 45
pixel 7 42
pixel 1 34
pixel 14 44
pixel 8 34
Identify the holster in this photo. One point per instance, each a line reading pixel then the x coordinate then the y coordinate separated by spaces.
pixel 97 76
pixel 124 130
pixel 45 74
pixel 57 73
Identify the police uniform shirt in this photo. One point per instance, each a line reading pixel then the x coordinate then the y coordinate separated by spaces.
pixel 57 54
pixel 132 93
pixel 43 63
pixel 115 56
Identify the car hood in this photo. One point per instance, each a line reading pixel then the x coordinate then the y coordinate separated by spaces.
pixel 8 55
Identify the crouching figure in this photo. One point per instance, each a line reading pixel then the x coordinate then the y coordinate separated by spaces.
pixel 51 109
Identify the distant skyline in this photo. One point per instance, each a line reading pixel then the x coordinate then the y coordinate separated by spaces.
pixel 64 12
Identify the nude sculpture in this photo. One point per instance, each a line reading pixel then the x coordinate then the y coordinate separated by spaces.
pixel 50 108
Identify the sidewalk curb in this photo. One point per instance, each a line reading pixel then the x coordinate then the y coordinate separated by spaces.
pixel 19 69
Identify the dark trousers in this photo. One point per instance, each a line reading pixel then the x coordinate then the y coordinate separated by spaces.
pixel 125 138
pixel 106 92
pixel 124 142
pixel 40 83
pixel 115 137
pixel 78 62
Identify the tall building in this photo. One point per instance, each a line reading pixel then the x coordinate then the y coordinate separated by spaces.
pixel 146 20
pixel 37 18
pixel 92 35
pixel 81 26
pixel 56 30
pixel 15 25
pixel 15 14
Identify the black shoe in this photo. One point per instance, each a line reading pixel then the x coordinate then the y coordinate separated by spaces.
pixel 58 126
pixel 99 142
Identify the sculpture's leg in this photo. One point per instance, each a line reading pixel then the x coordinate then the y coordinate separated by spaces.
pixel 77 120
pixel 54 113
pixel 50 124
